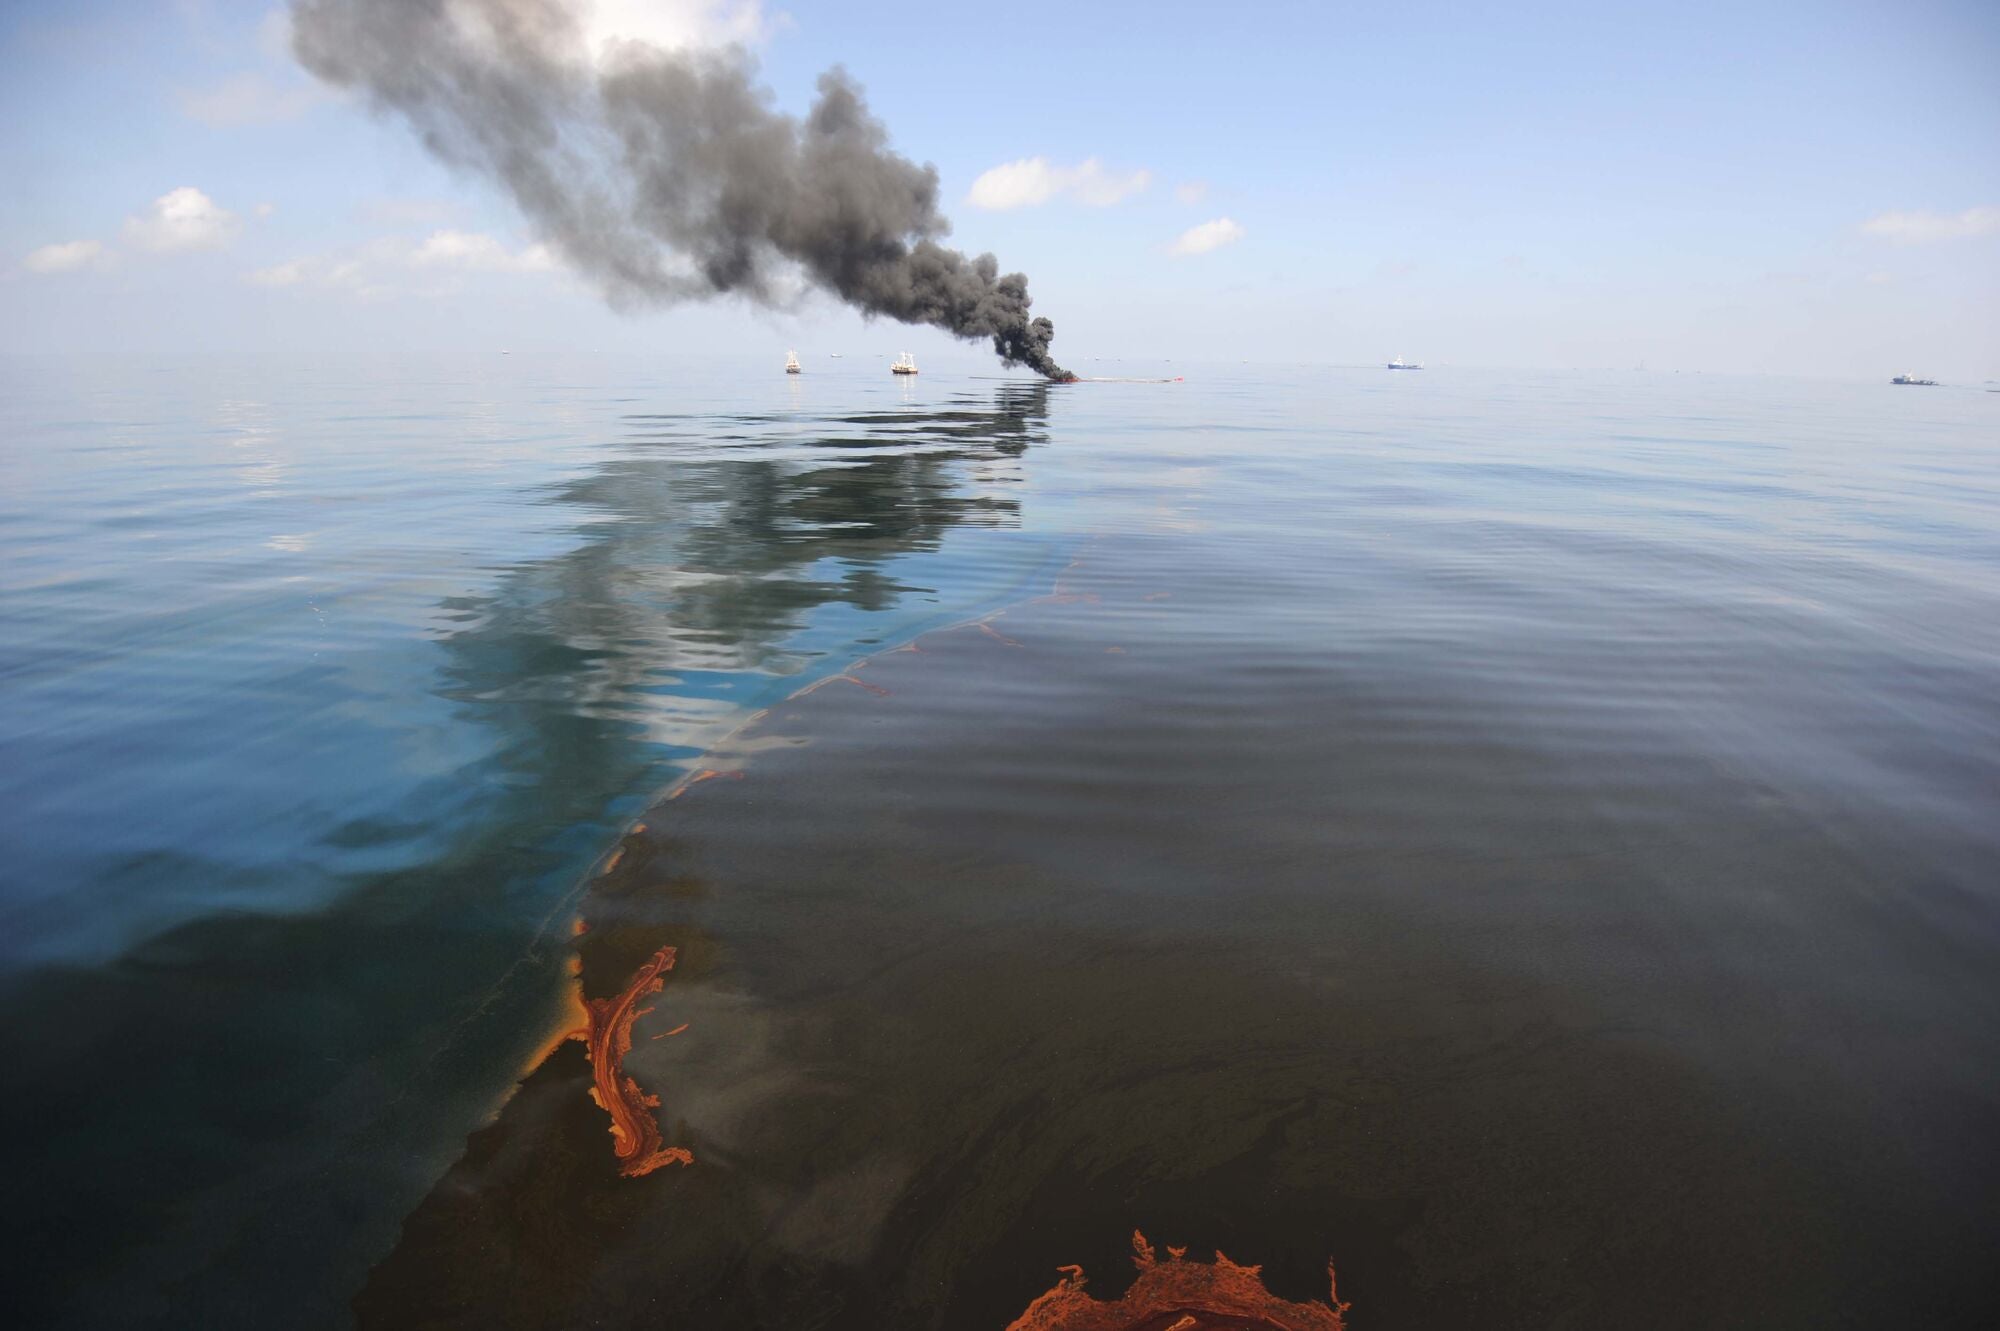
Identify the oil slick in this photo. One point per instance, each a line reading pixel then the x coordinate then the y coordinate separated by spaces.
pixel 1179 1295
pixel 635 1133
pixel 694 779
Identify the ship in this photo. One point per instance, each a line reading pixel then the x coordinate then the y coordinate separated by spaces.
pixel 905 364
pixel 1913 381
pixel 792 363
pixel 1400 364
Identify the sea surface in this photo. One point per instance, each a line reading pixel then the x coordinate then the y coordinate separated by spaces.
pixel 1530 837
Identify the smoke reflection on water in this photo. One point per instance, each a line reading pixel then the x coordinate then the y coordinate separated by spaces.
pixel 228 1098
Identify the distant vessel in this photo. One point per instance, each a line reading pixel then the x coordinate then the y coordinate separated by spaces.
pixel 792 363
pixel 905 364
pixel 1913 381
pixel 1400 364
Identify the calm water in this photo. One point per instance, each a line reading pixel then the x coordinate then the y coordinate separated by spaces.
pixel 1574 798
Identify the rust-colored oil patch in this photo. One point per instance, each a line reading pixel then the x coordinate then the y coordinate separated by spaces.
pixel 696 778
pixel 635 1133
pixel 996 634
pixel 1179 1295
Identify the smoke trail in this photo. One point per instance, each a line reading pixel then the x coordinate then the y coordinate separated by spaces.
pixel 666 176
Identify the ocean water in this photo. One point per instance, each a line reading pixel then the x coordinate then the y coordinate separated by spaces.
pixel 1583 788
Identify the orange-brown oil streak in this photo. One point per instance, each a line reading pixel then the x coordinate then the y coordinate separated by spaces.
pixel 1196 1294
pixel 635 1133
pixel 705 774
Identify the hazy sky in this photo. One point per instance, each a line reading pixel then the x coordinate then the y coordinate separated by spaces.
pixel 1808 188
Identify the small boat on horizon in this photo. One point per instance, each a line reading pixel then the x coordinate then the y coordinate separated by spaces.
pixel 1400 364
pixel 792 365
pixel 1913 381
pixel 905 364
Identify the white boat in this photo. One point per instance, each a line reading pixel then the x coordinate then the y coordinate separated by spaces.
pixel 1400 364
pixel 792 363
pixel 1914 381
pixel 905 364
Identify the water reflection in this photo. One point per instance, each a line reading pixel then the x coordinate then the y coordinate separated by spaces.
pixel 232 1115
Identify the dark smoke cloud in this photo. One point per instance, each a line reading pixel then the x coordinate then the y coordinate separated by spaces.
pixel 667 176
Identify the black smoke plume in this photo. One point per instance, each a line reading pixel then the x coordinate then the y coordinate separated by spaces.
pixel 669 175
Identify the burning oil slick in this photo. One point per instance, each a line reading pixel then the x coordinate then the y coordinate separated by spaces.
pixel 665 176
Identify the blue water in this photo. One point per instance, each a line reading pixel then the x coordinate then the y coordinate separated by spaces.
pixel 324 684
pixel 274 629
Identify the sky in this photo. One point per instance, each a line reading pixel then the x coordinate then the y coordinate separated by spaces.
pixel 1772 187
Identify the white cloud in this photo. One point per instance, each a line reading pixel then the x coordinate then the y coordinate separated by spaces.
pixel 182 219
pixel 478 251
pixel 1016 185
pixel 1035 180
pixel 264 210
pixel 1918 228
pixel 371 271
pixel 64 257
pixel 338 274
pixel 1092 185
pixel 1208 236
pixel 249 99
pixel 356 272
pixel 283 274
pixel 1191 191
